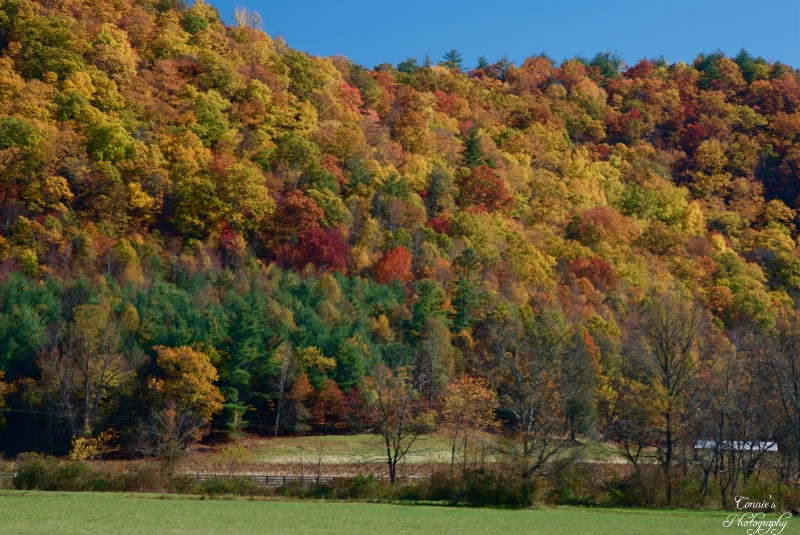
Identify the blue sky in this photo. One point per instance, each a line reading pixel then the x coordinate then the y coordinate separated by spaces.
pixel 377 31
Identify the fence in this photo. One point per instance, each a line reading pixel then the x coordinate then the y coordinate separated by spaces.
pixel 289 481
pixel 267 481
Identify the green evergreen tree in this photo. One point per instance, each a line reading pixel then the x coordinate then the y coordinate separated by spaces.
pixel 452 60
pixel 473 155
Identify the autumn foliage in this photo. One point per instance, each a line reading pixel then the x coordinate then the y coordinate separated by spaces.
pixel 197 220
pixel 484 191
pixel 189 380
pixel 394 265
pixel 324 249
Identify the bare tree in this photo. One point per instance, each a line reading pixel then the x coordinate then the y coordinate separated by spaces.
pixel 781 355
pixel 526 349
pixel 672 343
pixel 738 422
pixel 167 433
pixel 391 405
pixel 245 18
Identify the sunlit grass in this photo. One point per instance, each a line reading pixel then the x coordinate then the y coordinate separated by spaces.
pixel 339 449
pixel 363 448
pixel 29 513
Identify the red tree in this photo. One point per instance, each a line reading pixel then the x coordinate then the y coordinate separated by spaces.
pixel 395 265
pixel 484 191
pixel 298 213
pixel 325 249
pixel 596 270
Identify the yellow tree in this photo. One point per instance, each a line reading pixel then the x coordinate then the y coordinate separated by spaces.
pixel 188 381
pixel 186 399
pixel 84 366
pixel 469 409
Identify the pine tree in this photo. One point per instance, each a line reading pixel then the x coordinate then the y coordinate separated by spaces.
pixel 473 155
pixel 452 60
pixel 483 64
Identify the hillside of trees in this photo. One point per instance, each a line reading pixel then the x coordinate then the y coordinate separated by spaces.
pixel 198 221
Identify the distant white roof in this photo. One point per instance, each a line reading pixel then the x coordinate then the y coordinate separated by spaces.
pixel 736 445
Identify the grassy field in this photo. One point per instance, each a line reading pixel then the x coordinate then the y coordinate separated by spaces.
pixel 24 513
pixel 348 455
pixel 339 449
pixel 355 449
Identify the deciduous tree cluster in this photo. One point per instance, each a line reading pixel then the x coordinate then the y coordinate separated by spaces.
pixel 584 248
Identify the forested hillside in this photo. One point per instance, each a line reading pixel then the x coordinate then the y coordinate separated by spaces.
pixel 611 249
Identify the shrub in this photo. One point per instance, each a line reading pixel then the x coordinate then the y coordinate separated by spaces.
pixel 359 488
pixel 574 483
pixel 33 471
pixel 644 487
pixel 316 491
pixel 41 472
pixel 239 486
pixel 486 487
pixel 476 488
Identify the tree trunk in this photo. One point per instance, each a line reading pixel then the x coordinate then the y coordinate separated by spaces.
pixel 668 459
pixel 87 428
pixel 278 412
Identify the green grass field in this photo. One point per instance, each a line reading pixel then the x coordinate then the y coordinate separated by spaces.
pixel 340 449
pixel 360 448
pixel 64 513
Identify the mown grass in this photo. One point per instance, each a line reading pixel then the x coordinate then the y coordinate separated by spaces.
pixel 342 449
pixel 336 449
pixel 30 513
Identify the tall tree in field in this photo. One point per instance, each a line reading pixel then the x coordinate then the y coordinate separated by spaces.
pixel 469 409
pixel 673 344
pixel 185 398
pixel 629 415
pixel 781 353
pixel 391 405
pixel 188 381
pixel 526 349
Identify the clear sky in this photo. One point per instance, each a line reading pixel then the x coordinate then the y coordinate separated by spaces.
pixel 378 31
